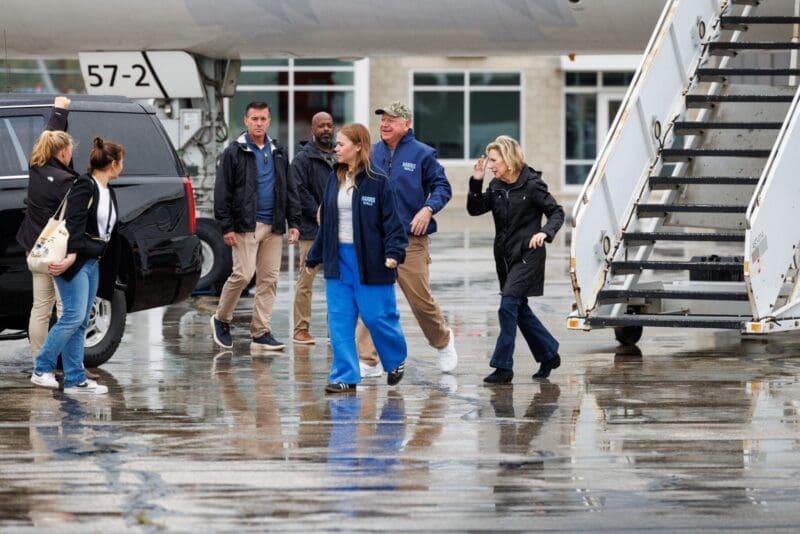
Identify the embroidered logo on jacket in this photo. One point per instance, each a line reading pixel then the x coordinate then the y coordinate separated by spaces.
pixel 368 201
pixel 409 166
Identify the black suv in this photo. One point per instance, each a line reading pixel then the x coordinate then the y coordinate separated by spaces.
pixel 156 204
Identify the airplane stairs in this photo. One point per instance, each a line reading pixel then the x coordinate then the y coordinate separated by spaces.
pixel 690 217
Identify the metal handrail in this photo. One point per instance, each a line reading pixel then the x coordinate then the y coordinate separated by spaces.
pixel 641 108
pixel 774 157
pixel 609 143
pixel 771 243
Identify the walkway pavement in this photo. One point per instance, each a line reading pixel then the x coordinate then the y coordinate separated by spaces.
pixel 694 429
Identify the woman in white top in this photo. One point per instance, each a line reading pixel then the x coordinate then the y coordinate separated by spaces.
pixel 92 222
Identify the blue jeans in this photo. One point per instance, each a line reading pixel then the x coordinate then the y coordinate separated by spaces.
pixel 515 312
pixel 67 335
pixel 348 298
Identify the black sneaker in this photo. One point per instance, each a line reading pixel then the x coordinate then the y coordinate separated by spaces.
pixel 221 332
pixel 500 376
pixel 394 377
pixel 340 387
pixel 266 342
pixel 547 366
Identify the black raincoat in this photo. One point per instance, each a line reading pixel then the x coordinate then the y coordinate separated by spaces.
pixel 517 210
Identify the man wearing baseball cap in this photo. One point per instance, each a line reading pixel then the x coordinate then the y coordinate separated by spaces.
pixel 422 190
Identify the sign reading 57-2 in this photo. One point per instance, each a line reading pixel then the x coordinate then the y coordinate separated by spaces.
pixel 170 74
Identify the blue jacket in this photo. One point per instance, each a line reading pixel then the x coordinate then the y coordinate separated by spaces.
pixel 416 175
pixel 377 231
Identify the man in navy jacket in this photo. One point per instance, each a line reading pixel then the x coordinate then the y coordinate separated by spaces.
pixel 254 202
pixel 422 190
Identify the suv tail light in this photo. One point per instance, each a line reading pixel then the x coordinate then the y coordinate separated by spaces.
pixel 190 204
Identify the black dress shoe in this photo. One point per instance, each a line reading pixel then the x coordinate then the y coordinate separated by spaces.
pixel 500 376
pixel 547 366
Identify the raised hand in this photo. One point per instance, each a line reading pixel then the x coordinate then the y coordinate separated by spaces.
pixel 479 169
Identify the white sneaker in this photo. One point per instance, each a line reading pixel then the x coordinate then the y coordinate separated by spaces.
pixel 448 357
pixel 45 380
pixel 370 371
pixel 88 387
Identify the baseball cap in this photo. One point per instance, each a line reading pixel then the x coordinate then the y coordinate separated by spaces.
pixel 395 109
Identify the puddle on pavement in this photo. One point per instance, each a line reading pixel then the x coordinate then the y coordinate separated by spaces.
pixel 690 429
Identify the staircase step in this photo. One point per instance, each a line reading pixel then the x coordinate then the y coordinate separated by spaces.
pixel 741 23
pixel 659 210
pixel 731 48
pixel 686 154
pixel 633 267
pixel 687 321
pixel 622 295
pixel 707 101
pixel 646 238
pixel 719 75
pixel 694 127
pixel 668 182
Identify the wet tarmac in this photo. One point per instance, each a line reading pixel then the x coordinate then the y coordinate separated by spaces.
pixel 692 430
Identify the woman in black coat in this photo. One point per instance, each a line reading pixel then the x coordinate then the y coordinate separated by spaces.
pixel 88 270
pixel 517 198
pixel 49 178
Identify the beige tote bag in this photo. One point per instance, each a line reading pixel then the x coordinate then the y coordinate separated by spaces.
pixel 51 245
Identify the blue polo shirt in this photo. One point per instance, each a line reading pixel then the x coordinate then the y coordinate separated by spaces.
pixel 266 180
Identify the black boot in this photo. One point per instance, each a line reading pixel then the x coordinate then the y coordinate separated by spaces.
pixel 547 366
pixel 500 376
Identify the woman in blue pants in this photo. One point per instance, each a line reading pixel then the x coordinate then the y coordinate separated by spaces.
pixel 90 268
pixel 360 243
pixel 518 199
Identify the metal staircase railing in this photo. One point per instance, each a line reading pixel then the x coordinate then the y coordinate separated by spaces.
pixel 722 175
pixel 773 233
pixel 620 173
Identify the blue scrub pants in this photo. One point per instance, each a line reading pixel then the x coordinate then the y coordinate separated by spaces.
pixel 347 299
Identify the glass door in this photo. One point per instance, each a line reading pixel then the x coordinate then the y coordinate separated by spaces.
pixel 608 105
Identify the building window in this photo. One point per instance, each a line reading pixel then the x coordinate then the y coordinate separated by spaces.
pixel 460 112
pixel 42 76
pixel 591 102
pixel 295 90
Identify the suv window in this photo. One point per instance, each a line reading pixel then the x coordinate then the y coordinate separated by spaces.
pixel 18 134
pixel 147 150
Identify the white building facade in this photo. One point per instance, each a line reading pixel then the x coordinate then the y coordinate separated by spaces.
pixel 559 108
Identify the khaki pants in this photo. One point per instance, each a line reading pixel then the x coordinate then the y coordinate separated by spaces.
pixel 45 295
pixel 413 277
pixel 256 253
pixel 303 289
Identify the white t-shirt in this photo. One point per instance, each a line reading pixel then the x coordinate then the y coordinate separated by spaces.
pixel 344 203
pixel 106 215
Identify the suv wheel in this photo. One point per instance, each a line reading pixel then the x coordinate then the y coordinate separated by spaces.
pixel 217 260
pixel 106 326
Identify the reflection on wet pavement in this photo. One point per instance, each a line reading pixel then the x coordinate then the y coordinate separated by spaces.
pixel 690 430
